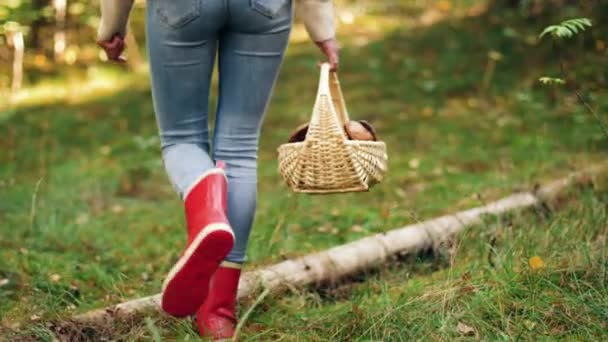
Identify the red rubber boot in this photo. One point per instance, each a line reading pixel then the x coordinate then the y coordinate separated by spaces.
pixel 217 317
pixel 210 239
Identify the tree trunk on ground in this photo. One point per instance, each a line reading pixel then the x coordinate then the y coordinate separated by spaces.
pixel 340 261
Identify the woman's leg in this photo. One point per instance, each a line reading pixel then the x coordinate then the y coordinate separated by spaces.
pixel 182 40
pixel 182 55
pixel 251 49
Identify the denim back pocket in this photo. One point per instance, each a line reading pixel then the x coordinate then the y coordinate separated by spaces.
pixel 269 8
pixel 178 13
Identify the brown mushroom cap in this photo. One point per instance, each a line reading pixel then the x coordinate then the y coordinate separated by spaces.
pixel 369 128
pixel 357 130
pixel 299 134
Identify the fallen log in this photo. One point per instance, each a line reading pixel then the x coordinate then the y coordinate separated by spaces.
pixel 362 254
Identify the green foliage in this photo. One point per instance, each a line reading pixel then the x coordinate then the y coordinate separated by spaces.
pixel 486 282
pixel 567 29
pixel 22 15
pixel 18 14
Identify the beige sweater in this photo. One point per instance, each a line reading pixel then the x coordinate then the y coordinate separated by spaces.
pixel 317 15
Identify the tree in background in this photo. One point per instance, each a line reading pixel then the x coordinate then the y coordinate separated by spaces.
pixel 43 29
pixel 15 17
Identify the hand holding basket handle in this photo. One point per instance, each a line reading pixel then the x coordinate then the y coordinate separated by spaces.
pixel 327 161
pixel 331 50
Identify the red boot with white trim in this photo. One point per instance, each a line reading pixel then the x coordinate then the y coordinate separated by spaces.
pixel 217 317
pixel 210 239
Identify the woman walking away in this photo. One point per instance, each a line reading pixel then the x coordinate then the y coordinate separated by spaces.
pixel 218 187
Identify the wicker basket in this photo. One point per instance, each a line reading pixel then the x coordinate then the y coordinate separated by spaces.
pixel 327 161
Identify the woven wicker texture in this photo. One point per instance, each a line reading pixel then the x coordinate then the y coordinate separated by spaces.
pixel 326 161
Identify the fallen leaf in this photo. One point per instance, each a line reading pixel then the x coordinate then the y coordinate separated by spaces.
pixel 4 282
pixel 55 278
pixel 467 289
pixel 529 324
pixel 536 263
pixel 34 317
pixel 356 229
pixel 465 329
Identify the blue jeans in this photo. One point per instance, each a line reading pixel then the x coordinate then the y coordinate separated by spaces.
pixel 249 38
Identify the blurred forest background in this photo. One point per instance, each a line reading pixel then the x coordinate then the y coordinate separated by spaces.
pixel 48 38
pixel 88 218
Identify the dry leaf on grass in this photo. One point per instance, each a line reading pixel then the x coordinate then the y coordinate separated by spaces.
pixel 465 329
pixel 536 263
pixel 529 324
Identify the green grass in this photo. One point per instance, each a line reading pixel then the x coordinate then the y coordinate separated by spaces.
pixel 88 219
pixel 482 281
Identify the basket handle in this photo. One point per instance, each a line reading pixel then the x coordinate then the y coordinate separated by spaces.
pixel 329 85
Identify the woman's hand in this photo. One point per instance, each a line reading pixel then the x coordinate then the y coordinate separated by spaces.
pixel 331 50
pixel 114 48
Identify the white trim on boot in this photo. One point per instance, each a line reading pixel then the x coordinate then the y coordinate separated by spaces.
pixel 193 247
pixel 214 170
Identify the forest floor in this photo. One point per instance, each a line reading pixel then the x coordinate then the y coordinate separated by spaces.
pixel 88 218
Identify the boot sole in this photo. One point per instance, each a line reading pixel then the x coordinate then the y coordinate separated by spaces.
pixel 187 285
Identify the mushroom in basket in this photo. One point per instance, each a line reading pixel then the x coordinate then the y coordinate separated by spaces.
pixel 355 130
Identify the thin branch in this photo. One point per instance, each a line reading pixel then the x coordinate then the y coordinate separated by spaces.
pixel 593 112
pixel 576 91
